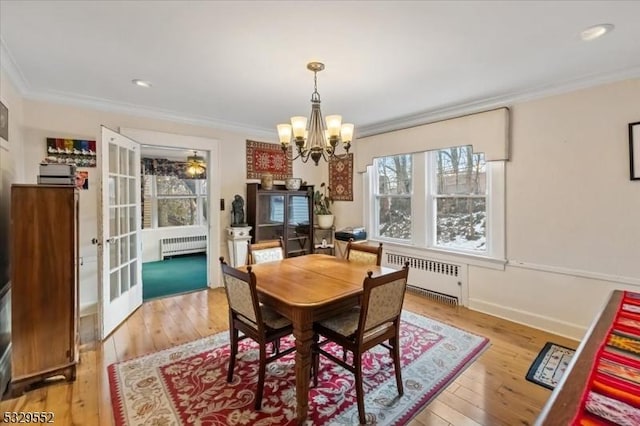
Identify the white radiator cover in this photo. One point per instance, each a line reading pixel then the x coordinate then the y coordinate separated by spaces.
pixel 183 245
pixel 432 275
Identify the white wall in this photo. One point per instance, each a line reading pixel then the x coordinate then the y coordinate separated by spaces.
pixel 573 215
pixel 573 227
pixel 44 119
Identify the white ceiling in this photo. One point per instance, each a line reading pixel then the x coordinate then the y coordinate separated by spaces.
pixel 242 65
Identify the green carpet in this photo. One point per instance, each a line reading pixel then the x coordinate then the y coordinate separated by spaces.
pixel 178 274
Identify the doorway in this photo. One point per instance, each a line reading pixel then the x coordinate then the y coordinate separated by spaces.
pixel 206 237
pixel 174 221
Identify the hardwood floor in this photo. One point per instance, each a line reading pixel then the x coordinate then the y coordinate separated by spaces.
pixel 492 391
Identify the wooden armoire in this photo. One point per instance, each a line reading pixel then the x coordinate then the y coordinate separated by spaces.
pixel 44 284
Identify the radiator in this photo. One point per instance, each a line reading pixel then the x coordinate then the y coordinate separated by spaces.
pixel 441 281
pixel 183 245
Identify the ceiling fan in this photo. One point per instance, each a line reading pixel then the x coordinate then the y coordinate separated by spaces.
pixel 196 165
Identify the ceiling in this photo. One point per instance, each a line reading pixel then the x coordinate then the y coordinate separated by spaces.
pixel 242 65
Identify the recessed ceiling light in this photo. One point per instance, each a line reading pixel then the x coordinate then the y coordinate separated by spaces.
pixel 596 31
pixel 141 83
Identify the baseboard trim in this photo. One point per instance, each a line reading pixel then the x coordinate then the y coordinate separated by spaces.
pixel 618 279
pixel 561 328
pixel 88 309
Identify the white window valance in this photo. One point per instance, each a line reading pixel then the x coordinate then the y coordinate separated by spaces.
pixel 487 132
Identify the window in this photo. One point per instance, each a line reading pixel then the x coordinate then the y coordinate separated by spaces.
pixel 450 199
pixel 393 196
pixel 171 201
pixel 460 198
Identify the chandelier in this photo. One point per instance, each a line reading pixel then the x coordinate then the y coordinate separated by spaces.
pixel 316 140
pixel 196 165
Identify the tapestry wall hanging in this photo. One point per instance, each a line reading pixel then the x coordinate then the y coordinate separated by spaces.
pixel 265 157
pixel 341 178
pixel 80 152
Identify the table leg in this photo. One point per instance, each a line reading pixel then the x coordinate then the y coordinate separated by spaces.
pixel 303 332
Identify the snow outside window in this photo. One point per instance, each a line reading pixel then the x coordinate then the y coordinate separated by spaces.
pixel 450 200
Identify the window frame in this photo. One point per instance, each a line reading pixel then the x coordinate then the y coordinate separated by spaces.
pixel 424 209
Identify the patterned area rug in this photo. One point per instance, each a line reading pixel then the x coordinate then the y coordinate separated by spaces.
pixel 187 384
pixel 550 364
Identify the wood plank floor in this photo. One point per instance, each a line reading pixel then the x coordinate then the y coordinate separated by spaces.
pixel 492 391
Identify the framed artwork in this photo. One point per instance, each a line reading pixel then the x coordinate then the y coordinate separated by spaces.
pixel 82 180
pixel 265 157
pixel 341 178
pixel 634 150
pixel 4 122
pixel 80 152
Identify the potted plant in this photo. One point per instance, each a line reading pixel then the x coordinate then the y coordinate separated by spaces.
pixel 322 206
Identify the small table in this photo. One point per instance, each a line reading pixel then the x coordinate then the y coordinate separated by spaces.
pixel 305 289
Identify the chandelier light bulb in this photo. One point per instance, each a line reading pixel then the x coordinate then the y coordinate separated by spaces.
pixel 284 133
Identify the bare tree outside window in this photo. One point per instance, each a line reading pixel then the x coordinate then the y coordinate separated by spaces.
pixel 393 198
pixel 461 198
pixel 178 202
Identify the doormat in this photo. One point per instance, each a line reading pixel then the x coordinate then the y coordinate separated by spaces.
pixel 187 384
pixel 550 365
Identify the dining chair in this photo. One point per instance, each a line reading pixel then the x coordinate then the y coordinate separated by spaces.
pixel 375 322
pixel 265 251
pixel 254 320
pixel 363 253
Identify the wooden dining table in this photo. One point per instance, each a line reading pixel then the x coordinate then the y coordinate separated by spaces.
pixel 305 289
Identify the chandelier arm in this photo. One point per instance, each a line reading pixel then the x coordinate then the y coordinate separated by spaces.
pixel 285 150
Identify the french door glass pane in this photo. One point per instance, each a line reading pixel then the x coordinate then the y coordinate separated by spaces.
pixel 113 158
pixel 122 190
pixel 132 191
pixel 113 190
pixel 133 277
pixel 114 285
pixel 113 223
pixel 113 253
pixel 124 278
pixel 124 161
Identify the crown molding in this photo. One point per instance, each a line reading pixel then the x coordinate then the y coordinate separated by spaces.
pixel 155 113
pixel 21 83
pixel 9 66
pixel 458 110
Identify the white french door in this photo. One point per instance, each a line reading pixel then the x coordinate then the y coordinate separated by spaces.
pixel 119 253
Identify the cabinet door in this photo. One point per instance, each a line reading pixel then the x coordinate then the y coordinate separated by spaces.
pixel 298 238
pixel 43 279
pixel 270 220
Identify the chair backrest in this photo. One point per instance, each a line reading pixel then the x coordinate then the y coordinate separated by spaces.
pixel 265 251
pixel 363 253
pixel 382 299
pixel 242 295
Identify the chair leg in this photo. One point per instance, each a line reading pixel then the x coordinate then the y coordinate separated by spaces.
pixel 357 363
pixel 395 344
pixel 233 343
pixel 261 373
